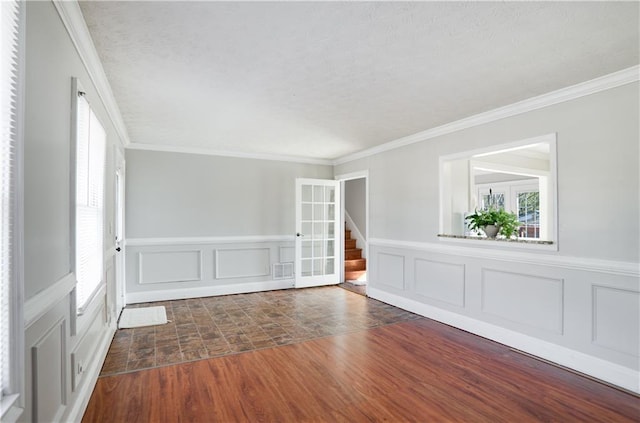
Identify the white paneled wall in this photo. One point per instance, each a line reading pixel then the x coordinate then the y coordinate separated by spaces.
pixel 440 281
pixel 524 299
pixel 580 314
pixel 64 352
pixel 172 268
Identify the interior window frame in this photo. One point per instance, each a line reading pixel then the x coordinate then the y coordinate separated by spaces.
pixel 446 177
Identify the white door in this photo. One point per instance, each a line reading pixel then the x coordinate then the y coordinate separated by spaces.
pixel 318 241
pixel 119 238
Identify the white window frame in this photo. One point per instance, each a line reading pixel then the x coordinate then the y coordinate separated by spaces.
pixel 83 296
pixel 12 389
pixel 449 184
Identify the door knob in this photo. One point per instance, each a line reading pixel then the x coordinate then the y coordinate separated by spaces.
pixel 118 249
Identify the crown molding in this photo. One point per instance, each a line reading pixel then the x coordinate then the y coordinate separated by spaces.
pixel 73 21
pixel 603 83
pixel 235 154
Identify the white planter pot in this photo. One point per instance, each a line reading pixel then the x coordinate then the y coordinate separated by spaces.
pixel 491 230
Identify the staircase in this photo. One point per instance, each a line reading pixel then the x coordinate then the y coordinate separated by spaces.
pixel 354 265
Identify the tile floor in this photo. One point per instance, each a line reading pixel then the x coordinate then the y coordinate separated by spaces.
pixel 214 326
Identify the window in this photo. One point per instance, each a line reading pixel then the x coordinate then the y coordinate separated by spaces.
pixel 519 177
pixel 11 324
pixel 89 186
pixel 519 196
pixel 528 211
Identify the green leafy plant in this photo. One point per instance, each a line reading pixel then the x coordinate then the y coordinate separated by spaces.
pixel 506 221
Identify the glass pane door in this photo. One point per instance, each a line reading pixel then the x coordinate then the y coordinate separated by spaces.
pixel 317 228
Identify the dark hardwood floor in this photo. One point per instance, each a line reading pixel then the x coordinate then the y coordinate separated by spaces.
pixel 417 370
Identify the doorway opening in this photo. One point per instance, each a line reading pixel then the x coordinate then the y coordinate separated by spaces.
pixel 355 225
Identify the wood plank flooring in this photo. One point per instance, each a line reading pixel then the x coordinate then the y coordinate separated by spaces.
pixel 417 370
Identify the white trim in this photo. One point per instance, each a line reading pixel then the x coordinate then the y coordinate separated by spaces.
pixel 235 154
pixel 603 83
pixel 552 218
pixel 353 175
pixel 207 291
pixel 36 306
pixel 605 370
pixel 365 244
pixel 73 21
pixel 586 264
pixel 146 242
pixel 85 389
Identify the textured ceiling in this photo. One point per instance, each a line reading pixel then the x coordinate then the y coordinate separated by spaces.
pixel 327 79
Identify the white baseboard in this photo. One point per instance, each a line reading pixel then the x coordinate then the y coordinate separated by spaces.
pixel 607 371
pixel 207 291
pixel 88 384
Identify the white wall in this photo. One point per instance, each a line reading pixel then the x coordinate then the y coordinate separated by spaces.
pixel 186 195
pixel 355 196
pixel 221 221
pixel 55 389
pixel 579 306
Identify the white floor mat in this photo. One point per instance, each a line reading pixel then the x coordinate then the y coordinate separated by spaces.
pixel 139 317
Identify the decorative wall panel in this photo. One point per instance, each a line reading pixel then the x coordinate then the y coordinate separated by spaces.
pixel 525 299
pixel 170 266
pixel 48 361
pixel 242 263
pixel 391 270
pixel 616 319
pixel 440 281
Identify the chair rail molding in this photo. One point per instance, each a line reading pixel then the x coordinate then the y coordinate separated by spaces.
pixel 145 242
pixel 575 263
pixel 36 306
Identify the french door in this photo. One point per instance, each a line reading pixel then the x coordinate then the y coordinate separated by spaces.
pixel 318 240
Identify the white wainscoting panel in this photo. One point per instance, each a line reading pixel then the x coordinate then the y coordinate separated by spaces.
pixel 616 319
pixel 84 352
pixel 525 299
pixel 170 266
pixel 49 374
pixel 622 376
pixel 205 266
pixel 391 270
pixel 287 254
pixel 579 312
pixel 440 281
pixel 242 262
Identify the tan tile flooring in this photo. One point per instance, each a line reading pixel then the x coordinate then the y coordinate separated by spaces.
pixel 215 326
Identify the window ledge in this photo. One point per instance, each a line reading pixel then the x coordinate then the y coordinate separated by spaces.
pixel 9 411
pixel 501 242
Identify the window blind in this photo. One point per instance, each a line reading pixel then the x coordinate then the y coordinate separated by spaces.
pixel 9 20
pixel 90 168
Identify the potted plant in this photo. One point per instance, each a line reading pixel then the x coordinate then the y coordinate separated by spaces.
pixel 493 222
